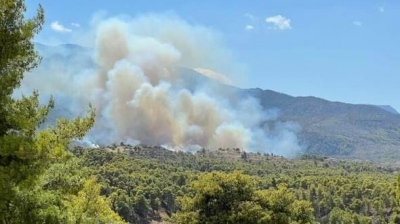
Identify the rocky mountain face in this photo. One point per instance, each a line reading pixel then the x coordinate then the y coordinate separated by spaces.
pixel 338 129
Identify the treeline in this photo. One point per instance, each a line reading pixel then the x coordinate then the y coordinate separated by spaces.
pixel 151 183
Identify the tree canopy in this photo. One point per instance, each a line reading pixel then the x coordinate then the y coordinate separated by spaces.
pixel 236 198
pixel 147 184
pixel 27 152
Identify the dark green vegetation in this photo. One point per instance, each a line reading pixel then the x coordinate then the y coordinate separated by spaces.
pixel 40 181
pixel 229 186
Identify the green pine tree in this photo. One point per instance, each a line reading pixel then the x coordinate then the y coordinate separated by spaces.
pixel 25 151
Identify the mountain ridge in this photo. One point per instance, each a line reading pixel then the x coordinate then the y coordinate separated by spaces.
pixel 336 128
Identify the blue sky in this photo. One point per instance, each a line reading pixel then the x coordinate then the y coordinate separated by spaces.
pixel 338 50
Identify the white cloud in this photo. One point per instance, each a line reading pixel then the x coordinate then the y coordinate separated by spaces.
pixel 56 26
pixel 381 9
pixel 249 27
pixel 357 23
pixel 279 22
pixel 250 16
pixel 76 25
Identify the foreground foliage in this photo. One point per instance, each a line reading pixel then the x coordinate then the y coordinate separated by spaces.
pixel 151 183
pixel 235 198
pixel 40 181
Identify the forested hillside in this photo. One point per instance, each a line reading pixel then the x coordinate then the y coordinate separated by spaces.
pixel 148 184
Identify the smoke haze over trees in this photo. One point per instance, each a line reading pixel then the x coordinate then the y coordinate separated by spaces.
pixel 135 83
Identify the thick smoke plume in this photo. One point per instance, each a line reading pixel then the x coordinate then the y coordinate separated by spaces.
pixel 133 77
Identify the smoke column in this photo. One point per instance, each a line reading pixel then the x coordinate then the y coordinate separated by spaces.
pixel 131 76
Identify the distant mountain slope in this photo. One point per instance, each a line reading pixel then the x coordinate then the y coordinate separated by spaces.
pixel 338 129
pixel 388 108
